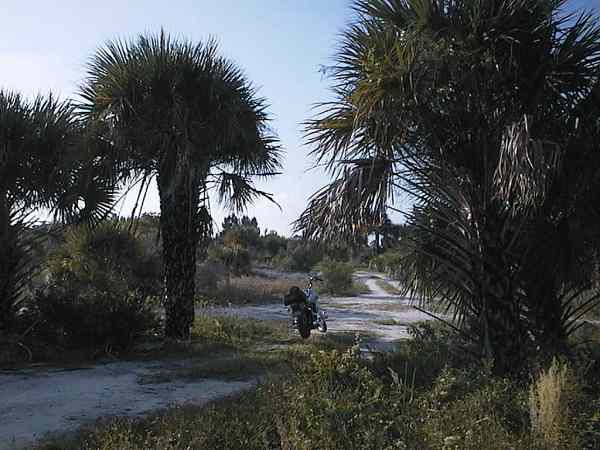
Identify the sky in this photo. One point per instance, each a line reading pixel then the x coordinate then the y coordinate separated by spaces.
pixel 280 44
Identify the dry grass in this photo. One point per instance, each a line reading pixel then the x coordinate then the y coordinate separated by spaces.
pixel 252 290
pixel 387 287
pixel 390 323
pixel 357 288
pixel 549 398
pixel 249 290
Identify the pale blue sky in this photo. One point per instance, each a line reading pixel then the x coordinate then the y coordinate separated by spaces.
pixel 279 43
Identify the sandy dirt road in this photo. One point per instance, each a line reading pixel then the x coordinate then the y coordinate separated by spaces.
pixel 36 402
pixel 378 317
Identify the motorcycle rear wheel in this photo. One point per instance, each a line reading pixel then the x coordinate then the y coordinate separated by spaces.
pixel 304 325
pixel 322 327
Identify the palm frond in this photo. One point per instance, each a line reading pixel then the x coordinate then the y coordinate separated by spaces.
pixel 488 113
pixel 17 264
pixel 152 96
pixel 351 205
pixel 526 167
pixel 236 192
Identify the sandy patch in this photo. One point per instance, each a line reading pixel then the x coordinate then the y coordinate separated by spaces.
pixel 34 403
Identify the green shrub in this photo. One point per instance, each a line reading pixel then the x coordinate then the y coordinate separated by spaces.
pixel 235 259
pixel 94 322
pixel 430 351
pixel 344 405
pixel 208 275
pixel 337 277
pixel 272 245
pixel 105 259
pixel 467 410
pixel 100 288
pixel 299 257
pixel 388 262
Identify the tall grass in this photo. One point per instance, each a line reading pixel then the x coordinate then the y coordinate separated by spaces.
pixel 549 397
pixel 247 290
pixel 235 331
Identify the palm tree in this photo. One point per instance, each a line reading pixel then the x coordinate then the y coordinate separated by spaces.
pixel 180 113
pixel 44 164
pixel 486 113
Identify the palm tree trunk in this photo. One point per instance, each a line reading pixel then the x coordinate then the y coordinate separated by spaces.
pixel 503 339
pixel 6 267
pixel 549 327
pixel 179 221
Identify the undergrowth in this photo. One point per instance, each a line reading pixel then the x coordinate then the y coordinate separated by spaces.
pixel 426 395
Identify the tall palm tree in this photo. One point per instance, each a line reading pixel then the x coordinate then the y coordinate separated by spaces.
pixel 182 114
pixel 44 163
pixel 483 112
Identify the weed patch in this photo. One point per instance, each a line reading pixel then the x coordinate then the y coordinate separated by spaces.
pixel 233 367
pixel 237 332
pixel 424 396
pixel 387 287
pixel 248 290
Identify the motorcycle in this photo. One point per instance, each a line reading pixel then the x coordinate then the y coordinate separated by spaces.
pixel 303 306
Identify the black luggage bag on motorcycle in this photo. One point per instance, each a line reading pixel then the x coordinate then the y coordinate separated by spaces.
pixel 298 303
